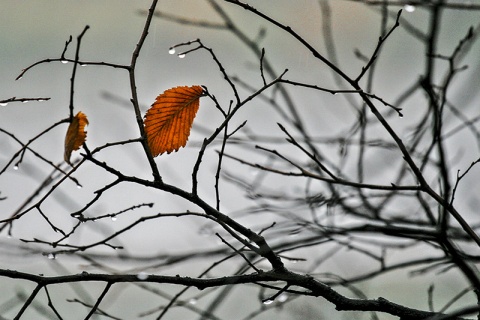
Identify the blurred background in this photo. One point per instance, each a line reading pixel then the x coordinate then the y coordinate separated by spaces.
pixel 31 31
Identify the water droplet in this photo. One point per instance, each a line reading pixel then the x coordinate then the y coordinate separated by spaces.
pixel 79 186
pixel 267 301
pixel 282 298
pixel 24 101
pixel 192 301
pixel 171 51
pixel 400 115
pixel 83 65
pixel 142 276
pixel 51 256
pixel 409 8
pixel 3 104
pixel 15 167
pixel 19 78
pixel 114 218
pixel 181 55
pixel 64 61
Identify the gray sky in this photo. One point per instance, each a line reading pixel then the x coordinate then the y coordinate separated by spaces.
pixel 34 30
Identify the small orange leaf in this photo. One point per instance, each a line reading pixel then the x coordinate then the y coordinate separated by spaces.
pixel 76 135
pixel 169 119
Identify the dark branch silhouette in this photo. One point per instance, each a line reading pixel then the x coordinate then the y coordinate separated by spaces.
pixel 366 197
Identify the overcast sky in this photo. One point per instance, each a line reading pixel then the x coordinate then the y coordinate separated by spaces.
pixel 34 30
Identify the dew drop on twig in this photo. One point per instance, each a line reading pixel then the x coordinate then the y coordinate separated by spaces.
pixel 181 56
pixel 142 276
pixel 171 51
pixel 282 298
pixel 3 104
pixel 64 61
pixel 15 167
pixel 267 301
pixel 114 218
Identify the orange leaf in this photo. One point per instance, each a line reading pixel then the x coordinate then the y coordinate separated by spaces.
pixel 169 120
pixel 76 135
